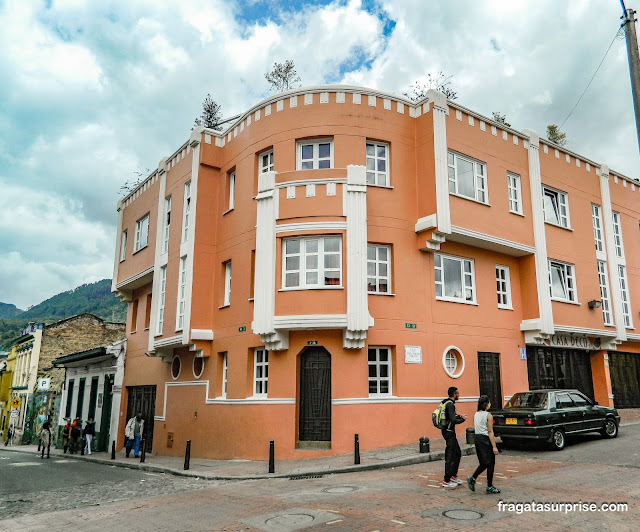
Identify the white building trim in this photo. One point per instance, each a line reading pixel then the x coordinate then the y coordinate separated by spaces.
pixel 397 400
pixel 494 243
pixel 443 208
pixel 311 226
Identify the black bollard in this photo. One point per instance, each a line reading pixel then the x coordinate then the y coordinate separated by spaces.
pixel 187 455
pixel 113 450
pixel 424 444
pixel 272 460
pixel 356 450
pixel 470 436
pixel 142 456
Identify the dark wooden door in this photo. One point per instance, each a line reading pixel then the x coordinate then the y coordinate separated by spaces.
pixel 550 368
pixel 489 378
pixel 624 369
pixel 142 399
pixel 315 395
pixel 105 419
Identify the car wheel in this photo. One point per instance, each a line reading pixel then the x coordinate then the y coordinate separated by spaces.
pixel 610 428
pixel 557 440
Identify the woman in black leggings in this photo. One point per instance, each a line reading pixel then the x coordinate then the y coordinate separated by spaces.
pixel 485 445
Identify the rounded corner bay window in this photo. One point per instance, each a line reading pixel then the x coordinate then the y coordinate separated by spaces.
pixel 453 362
pixel 198 366
pixel 176 367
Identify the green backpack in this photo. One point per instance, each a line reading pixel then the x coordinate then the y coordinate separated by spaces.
pixel 439 417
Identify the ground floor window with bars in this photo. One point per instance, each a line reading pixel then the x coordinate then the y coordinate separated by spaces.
pixel 379 371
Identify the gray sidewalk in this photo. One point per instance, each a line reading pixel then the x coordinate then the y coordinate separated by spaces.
pixel 381 458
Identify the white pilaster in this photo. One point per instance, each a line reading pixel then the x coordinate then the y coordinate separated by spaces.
pixel 116 260
pixel 612 263
pixel 440 108
pixel 358 319
pixel 539 236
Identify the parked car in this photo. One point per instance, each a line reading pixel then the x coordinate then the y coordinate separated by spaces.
pixel 549 415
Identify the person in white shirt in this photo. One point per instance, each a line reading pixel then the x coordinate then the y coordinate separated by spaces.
pixel 486 448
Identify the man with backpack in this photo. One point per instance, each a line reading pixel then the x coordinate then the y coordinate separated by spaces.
pixel 452 453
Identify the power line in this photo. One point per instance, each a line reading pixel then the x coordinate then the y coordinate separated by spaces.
pixel 619 33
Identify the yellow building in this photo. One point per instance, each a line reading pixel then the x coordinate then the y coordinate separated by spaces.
pixel 6 377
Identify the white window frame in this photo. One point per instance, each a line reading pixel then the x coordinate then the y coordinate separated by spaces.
pixel 503 287
pixel 227 284
pixel 604 293
pixel 167 224
pixel 374 175
pixel 480 187
pixel 514 188
pixel 142 233
pixel 453 362
pixel 186 209
pixel 624 297
pixel 225 362
pixel 617 234
pixel 193 366
pixel 378 264
pixel 596 220
pixel 163 291
pixel 305 252
pixel 182 293
pixel 315 160
pixel 560 207
pixel 467 278
pixel 265 161
pixel 567 277
pixel 232 191
pixel 260 383
pixel 123 245
pixel 378 380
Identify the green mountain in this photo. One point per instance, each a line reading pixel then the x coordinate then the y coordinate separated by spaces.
pixel 94 298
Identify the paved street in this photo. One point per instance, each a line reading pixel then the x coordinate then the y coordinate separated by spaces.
pixel 404 498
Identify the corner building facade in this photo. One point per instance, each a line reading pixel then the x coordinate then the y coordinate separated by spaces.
pixel 336 259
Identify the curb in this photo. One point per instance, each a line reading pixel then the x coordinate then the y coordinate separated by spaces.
pixel 389 464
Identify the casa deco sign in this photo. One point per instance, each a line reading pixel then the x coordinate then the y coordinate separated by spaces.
pixel 573 341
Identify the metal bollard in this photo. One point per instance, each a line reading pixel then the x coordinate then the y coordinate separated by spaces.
pixel 142 453
pixel 424 444
pixel 113 450
pixel 272 461
pixel 187 455
pixel 356 450
pixel 471 436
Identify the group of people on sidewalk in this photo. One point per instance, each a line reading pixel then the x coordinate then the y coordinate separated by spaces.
pixel 75 438
pixel 485 442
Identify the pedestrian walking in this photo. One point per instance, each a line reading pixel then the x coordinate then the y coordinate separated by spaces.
pixel 486 447
pixel 89 432
pixel 9 440
pixel 45 439
pixel 76 434
pixel 452 453
pixel 66 435
pixel 133 432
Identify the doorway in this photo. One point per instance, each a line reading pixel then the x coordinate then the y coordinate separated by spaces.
pixel 624 369
pixel 489 377
pixel 142 399
pixel 550 367
pixel 315 396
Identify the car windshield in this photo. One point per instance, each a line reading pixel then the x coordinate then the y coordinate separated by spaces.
pixel 528 400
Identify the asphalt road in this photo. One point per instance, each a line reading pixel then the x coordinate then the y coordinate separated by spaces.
pixel 50 496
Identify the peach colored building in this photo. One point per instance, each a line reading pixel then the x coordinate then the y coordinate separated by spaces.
pixel 338 257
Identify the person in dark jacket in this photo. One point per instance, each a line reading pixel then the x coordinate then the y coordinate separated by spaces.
pixel 452 453
pixel 89 432
pixel 45 438
pixel 66 435
pixel 76 435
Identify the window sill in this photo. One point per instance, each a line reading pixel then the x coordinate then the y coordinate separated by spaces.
pixel 121 261
pixel 517 213
pixel 505 308
pixel 447 300
pixel 227 211
pixel 566 301
pixel 138 250
pixel 250 299
pixel 133 332
pixel 294 289
pixel 469 199
pixel 380 186
pixel 179 330
pixel 146 328
pixel 224 306
pixel 381 396
pixel 558 226
pixel 380 294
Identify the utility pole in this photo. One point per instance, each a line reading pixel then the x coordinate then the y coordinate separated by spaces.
pixel 629 25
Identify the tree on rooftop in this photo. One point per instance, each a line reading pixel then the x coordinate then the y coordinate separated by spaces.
pixel 439 82
pixel 502 119
pixel 211 114
pixel 283 76
pixel 556 136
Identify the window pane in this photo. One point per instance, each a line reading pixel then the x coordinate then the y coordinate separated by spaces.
pixel 452 278
pixel 331 278
pixel 465 178
pixel 557 282
pixel 332 261
pixel 307 151
pixel 372 370
pixel 382 165
pixel 384 370
pixel 312 278
pixel 371 354
pixel 370 149
pixel 292 246
pixel 312 262
pixel 373 388
pixel 324 164
pixel 371 252
pixel 384 355
pixel 450 158
pixel 371 164
pixel 332 244
pixel 371 268
pixel 292 263
pixel 307 165
pixel 384 387
pixel 437 260
pixel 383 270
pixel 382 253
pixel 371 285
pixel 324 150
pixel 311 246
pixel 371 178
pixel 383 286
pixel 292 279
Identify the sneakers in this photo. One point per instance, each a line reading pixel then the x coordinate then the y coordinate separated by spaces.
pixel 456 480
pixel 449 485
pixel 471 482
pixel 492 489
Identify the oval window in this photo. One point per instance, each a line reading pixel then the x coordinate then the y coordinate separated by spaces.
pixel 198 366
pixel 453 362
pixel 176 366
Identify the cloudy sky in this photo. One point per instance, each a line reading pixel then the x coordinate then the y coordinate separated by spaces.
pixel 93 93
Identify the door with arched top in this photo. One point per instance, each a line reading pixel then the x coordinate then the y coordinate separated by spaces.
pixel 315 395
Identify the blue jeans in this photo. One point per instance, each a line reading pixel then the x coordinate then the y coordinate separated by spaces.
pixel 130 443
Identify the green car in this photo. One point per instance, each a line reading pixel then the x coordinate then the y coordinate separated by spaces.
pixel 549 415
